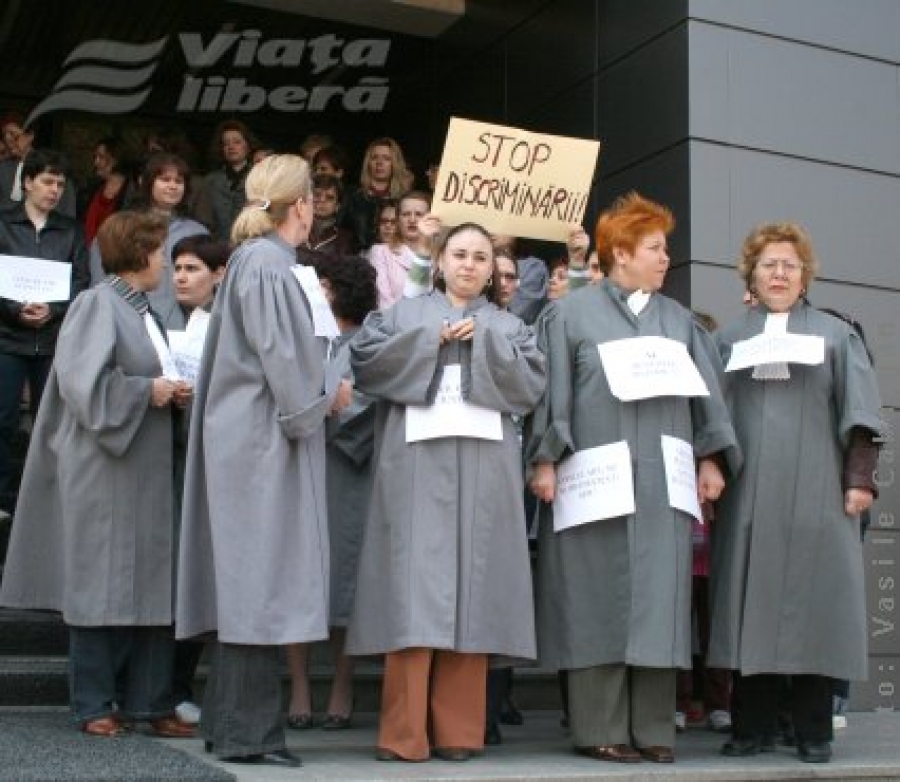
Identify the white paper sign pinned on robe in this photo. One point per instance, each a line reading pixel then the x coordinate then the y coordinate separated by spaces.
pixel 681 476
pixel 324 324
pixel 592 485
pixel 451 415
pixel 645 367
pixel 34 280
pixel 169 369
pixel 777 349
pixel 186 346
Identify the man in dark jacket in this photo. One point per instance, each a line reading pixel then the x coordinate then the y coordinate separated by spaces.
pixel 28 330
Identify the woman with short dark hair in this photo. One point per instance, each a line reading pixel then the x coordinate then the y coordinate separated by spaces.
pixel 94 532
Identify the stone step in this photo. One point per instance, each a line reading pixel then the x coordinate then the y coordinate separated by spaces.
pixel 32 633
pixel 43 681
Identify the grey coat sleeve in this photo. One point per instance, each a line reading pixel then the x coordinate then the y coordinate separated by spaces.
pixel 280 332
pixel 395 364
pixel 103 399
pixel 855 388
pixel 549 436
pixel 508 369
pixel 713 430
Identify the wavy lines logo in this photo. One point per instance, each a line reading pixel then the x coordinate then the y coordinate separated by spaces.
pixel 104 77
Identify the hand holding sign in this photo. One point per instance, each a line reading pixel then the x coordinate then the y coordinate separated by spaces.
pixel 513 181
pixel 429 226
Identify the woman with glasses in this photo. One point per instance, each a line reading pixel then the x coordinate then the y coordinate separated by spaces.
pixel 787 571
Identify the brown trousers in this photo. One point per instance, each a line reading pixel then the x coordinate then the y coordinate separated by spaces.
pixel 432 693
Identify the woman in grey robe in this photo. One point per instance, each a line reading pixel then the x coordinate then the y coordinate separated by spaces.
pixel 349 284
pixel 613 595
pixel 253 562
pixel 444 575
pixel 94 527
pixel 787 569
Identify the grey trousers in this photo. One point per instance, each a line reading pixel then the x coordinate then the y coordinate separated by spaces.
pixel 621 704
pixel 242 706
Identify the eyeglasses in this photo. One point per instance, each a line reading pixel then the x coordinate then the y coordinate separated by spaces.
pixel 508 276
pixel 789 267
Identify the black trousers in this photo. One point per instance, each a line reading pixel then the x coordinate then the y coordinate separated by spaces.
pixel 184 668
pixel 756 701
pixel 242 706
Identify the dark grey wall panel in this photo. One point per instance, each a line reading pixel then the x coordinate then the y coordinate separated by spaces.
pixel 643 101
pixel 552 51
pixel 866 27
pixel 626 25
pixel 718 289
pixel 851 215
pixel 766 93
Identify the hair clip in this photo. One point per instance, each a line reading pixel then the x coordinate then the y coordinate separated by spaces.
pixel 262 204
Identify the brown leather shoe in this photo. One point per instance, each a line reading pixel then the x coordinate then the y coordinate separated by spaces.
pixel 107 726
pixel 657 754
pixel 615 753
pixel 172 728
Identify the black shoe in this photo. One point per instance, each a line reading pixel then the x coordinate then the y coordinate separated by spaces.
pixel 511 715
pixel 277 757
pixel 742 748
pixel 492 735
pixel 814 751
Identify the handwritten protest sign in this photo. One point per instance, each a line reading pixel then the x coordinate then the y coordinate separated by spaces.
pixel 34 280
pixel 513 181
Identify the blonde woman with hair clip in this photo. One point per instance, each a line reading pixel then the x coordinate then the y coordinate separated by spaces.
pixel 254 543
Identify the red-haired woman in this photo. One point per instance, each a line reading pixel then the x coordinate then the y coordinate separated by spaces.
pixel 613 602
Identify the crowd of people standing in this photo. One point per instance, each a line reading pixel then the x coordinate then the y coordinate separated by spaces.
pixel 348 461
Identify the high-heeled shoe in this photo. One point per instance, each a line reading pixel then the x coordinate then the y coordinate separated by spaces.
pixel 336 722
pixel 300 721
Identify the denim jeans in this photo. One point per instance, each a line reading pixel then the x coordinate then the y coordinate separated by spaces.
pixel 14 372
pixel 137 659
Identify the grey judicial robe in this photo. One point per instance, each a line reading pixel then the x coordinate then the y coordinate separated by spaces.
pixel 350 439
pixel 619 590
pixel 445 559
pixel 787 570
pixel 253 562
pixel 94 526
